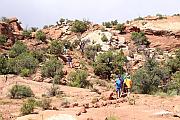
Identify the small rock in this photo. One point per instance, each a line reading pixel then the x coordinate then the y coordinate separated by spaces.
pixel 83 110
pixel 75 104
pixel 96 105
pixel 86 105
pixel 55 108
pixel 78 114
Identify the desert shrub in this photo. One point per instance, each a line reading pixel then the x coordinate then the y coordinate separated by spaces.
pixel 173 64
pixel 79 26
pixel 91 51
pixel 25 63
pixel 147 79
pixel 28 106
pixel 113 23
pixel 3 65
pixel 51 68
pixel 176 14
pixel 65 103
pixel 17 49
pixel 140 38
pixel 39 55
pixel 120 27
pixel 83 65
pixel 41 36
pixel 3 39
pixel 45 26
pixel 174 84
pixel 67 44
pixel 54 91
pixel 104 38
pixel 34 29
pixel 78 79
pixel 62 20
pixel 160 16
pixel 25 72
pixel 108 62
pixel 4 19
pixel 26 33
pixel 107 24
pixel 46 104
pixel 56 48
pixel 139 18
pixel 20 91
pixel 112 118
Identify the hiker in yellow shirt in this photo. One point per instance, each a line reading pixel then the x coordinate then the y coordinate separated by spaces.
pixel 128 83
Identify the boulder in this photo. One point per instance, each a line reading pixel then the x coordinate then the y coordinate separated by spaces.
pixel 48 80
pixel 107 95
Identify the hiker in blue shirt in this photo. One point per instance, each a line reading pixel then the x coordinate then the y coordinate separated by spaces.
pixel 119 83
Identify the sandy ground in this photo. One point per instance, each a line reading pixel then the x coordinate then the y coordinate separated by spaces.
pixel 146 107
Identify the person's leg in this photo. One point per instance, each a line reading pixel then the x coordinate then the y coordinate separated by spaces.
pixel 129 92
pixel 120 92
pixel 117 93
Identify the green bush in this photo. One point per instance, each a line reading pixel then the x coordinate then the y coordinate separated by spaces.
pixel 39 55
pixel 41 36
pixel 173 64
pixel 91 51
pixel 51 68
pixel 56 48
pixel 4 19
pixel 174 84
pixel 140 38
pixel 108 63
pixel 26 33
pixel 3 39
pixel 104 38
pixel 79 26
pixel 20 91
pixel 3 65
pixel 17 49
pixel 147 79
pixel 25 63
pixel 113 23
pixel 107 24
pixel 34 29
pixel 25 72
pixel 28 106
pixel 62 20
pixel 120 27
pixel 78 79
pixel 139 18
pixel 160 16
pixel 45 27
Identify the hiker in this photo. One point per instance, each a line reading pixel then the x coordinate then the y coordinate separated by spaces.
pixel 128 83
pixel 82 45
pixel 69 59
pixel 119 82
pixel 65 49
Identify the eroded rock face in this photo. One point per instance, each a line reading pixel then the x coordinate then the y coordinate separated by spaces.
pixel 11 29
pixel 14 24
pixel 53 33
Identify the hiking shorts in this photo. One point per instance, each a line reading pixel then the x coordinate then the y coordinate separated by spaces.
pixel 118 89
